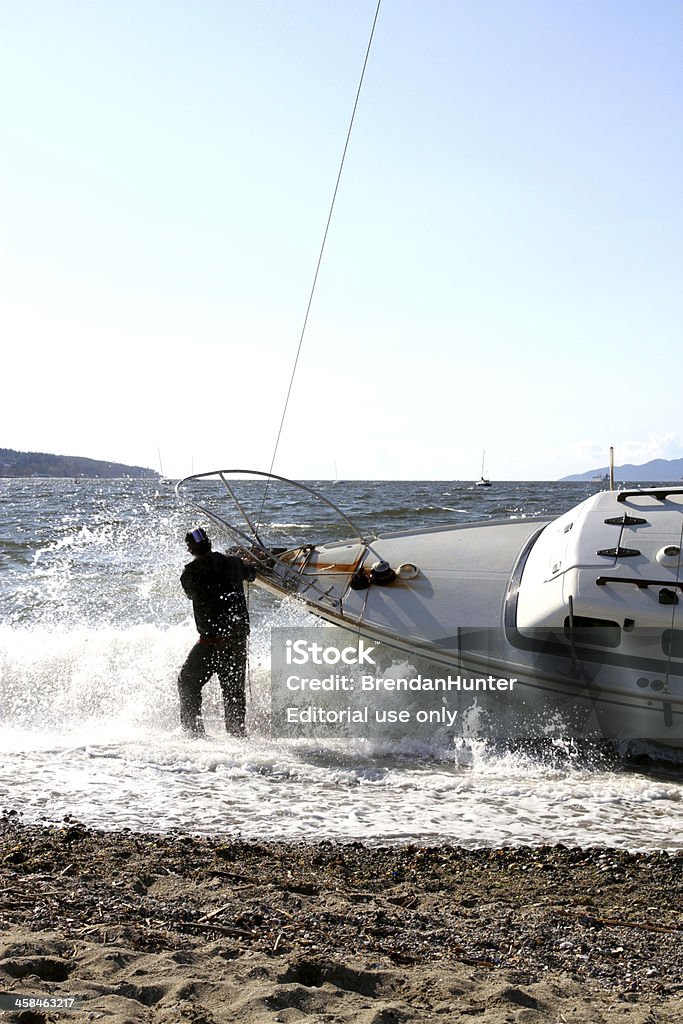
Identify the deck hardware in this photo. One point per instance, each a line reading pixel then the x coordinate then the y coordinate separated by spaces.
pixel 382 574
pixel 359 580
pixel 642 584
pixel 669 555
pixel 626 521
pixel 407 571
pixel 661 494
pixel 619 552
pixel 667 596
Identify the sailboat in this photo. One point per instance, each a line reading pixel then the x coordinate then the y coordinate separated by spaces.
pixel 162 479
pixel 579 614
pixel 581 611
pixel 482 481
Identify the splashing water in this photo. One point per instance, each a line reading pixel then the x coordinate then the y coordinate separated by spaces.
pixel 96 627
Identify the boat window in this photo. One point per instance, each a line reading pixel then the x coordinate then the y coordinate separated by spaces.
pixel 597 632
pixel 672 642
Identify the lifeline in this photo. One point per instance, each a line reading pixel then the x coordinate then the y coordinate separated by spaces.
pixel 425 684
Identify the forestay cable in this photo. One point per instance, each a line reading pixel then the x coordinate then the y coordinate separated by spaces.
pixel 322 250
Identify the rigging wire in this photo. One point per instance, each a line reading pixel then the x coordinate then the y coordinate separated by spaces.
pixel 320 256
pixel 674 607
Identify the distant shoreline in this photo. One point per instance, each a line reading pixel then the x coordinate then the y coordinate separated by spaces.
pixel 44 466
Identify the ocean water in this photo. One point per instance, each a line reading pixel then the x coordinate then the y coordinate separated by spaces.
pixel 95 627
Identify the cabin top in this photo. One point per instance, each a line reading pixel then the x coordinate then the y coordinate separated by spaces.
pixel 616 556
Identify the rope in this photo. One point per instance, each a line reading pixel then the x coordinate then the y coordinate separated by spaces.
pixel 320 256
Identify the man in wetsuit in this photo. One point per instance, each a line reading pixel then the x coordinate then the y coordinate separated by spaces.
pixel 214 582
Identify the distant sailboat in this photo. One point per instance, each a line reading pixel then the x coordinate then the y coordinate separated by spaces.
pixel 162 478
pixel 482 481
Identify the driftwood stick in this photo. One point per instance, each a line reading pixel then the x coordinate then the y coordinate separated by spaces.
pixel 215 913
pixel 209 926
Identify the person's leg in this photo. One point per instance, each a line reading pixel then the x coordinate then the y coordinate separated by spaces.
pixel 232 673
pixel 193 675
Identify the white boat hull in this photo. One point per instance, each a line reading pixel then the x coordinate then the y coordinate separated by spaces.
pixel 581 611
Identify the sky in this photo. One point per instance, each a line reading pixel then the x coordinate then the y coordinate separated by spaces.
pixel 503 269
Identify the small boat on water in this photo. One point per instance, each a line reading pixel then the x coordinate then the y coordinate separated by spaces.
pixel 482 481
pixel 583 610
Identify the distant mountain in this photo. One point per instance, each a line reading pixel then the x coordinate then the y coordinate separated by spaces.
pixel 656 471
pixel 27 464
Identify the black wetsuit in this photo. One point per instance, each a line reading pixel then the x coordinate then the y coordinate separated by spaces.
pixel 214 582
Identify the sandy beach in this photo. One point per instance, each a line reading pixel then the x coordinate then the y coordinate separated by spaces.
pixel 174 928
